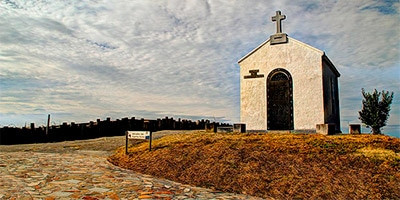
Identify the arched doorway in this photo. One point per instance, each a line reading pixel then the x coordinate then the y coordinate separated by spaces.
pixel 279 100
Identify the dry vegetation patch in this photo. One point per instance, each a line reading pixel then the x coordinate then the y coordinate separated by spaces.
pixel 274 165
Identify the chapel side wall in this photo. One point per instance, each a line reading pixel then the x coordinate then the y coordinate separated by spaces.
pixel 252 95
pixel 331 96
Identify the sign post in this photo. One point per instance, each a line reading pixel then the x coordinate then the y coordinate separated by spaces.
pixel 126 142
pixel 137 135
pixel 151 137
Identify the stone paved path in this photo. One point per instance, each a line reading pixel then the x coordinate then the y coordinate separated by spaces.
pixel 85 174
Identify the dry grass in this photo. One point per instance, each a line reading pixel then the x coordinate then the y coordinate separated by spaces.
pixel 378 154
pixel 275 165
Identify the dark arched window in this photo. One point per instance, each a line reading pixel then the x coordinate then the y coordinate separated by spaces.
pixel 279 77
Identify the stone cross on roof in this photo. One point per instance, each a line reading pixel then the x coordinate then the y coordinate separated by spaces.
pixel 278 37
pixel 278 18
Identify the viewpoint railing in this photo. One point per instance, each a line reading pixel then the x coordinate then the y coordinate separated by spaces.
pixel 74 131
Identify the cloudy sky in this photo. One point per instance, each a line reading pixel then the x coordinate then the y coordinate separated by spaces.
pixel 83 60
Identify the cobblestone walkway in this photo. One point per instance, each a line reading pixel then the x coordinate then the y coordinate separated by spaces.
pixel 86 175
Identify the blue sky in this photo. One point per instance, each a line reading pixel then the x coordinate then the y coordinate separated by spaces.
pixel 83 60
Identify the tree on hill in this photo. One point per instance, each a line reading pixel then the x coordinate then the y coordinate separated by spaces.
pixel 375 109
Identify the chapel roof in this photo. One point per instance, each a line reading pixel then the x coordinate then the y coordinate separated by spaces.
pixel 322 53
pixel 268 41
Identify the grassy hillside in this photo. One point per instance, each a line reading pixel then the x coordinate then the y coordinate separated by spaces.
pixel 274 165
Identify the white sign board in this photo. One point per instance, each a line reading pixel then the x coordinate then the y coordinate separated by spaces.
pixel 140 135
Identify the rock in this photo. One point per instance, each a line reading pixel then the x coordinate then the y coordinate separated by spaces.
pixel 89 198
pixel 145 193
pixel 61 194
pixel 167 186
pixel 148 184
pixel 34 183
pixel 144 197
pixel 99 190
pixel 73 181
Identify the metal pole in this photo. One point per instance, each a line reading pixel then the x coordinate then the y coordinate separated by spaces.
pixel 48 124
pixel 126 142
pixel 151 135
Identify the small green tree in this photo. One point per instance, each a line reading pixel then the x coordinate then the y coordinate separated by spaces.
pixel 375 109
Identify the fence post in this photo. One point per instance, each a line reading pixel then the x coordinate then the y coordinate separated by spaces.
pixel 126 142
pixel 151 136
pixel 48 124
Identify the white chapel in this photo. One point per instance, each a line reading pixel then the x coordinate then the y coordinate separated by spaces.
pixel 286 84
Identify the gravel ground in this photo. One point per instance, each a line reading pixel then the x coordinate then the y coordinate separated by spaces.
pixel 107 144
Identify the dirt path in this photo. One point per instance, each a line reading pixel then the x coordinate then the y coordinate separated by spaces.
pixel 107 144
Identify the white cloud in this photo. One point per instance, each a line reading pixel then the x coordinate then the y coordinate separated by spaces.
pixel 91 59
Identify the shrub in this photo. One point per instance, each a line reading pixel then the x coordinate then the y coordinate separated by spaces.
pixel 375 109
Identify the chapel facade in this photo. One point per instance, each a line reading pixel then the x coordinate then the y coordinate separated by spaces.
pixel 286 84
